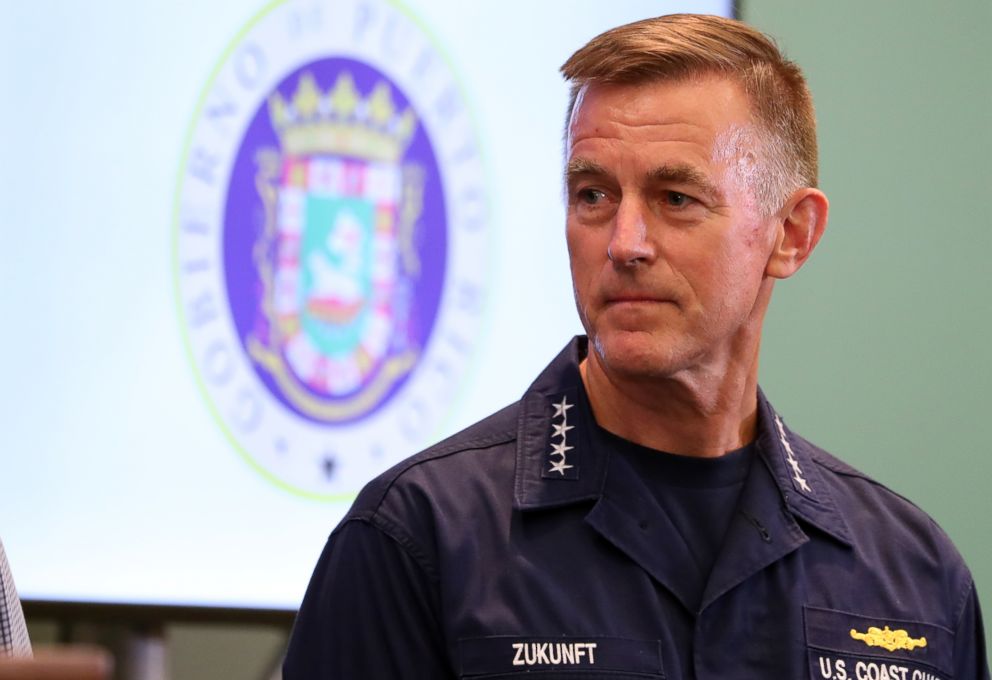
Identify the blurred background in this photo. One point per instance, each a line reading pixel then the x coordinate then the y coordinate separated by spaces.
pixel 134 511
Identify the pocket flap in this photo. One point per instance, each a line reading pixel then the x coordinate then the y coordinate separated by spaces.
pixel 895 642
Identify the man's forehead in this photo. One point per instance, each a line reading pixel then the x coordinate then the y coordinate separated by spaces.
pixel 698 132
pixel 713 100
pixel 710 118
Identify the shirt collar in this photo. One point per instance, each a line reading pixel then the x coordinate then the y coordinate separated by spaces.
pixel 558 465
pixel 556 461
pixel 790 459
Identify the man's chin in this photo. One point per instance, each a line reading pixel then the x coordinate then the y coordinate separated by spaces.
pixel 636 355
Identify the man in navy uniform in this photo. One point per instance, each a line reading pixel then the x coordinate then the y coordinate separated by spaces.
pixel 643 511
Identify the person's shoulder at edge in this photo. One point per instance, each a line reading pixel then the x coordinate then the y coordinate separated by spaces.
pixel 478 456
pixel 885 523
pixel 866 496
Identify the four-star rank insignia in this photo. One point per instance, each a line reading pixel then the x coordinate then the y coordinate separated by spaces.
pixel 560 457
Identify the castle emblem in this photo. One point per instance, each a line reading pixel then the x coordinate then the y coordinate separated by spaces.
pixel 336 257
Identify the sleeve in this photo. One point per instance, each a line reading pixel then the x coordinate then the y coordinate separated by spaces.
pixel 14 639
pixel 970 658
pixel 370 611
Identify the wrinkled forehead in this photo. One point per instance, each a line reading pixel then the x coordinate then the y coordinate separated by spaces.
pixel 712 107
pixel 706 125
pixel 579 91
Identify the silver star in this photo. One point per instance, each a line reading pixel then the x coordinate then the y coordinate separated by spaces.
pixel 560 467
pixel 560 448
pixel 794 464
pixel 562 407
pixel 790 456
pixel 560 430
pixel 797 473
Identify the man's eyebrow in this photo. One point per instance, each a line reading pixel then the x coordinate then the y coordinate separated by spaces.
pixel 680 173
pixel 583 166
pixel 686 174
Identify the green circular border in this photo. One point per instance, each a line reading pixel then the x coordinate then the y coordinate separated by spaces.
pixel 177 292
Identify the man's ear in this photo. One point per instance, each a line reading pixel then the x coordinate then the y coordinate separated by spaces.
pixel 799 224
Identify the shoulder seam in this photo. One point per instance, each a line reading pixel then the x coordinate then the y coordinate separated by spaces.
pixel 442 451
pixel 846 471
pixel 825 460
pixel 404 542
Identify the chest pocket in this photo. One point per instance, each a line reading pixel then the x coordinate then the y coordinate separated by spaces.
pixel 847 646
pixel 559 658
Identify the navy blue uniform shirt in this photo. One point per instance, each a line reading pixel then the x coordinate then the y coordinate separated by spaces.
pixel 520 546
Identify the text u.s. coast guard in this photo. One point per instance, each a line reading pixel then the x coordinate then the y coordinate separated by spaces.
pixel 845 669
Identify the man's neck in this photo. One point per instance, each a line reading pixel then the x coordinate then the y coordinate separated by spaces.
pixel 705 411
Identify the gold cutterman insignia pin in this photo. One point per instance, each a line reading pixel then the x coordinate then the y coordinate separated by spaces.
pixel 889 639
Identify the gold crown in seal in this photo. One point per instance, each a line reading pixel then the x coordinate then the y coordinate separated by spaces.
pixel 341 121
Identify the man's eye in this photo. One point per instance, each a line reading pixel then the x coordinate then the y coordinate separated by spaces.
pixel 677 199
pixel 591 196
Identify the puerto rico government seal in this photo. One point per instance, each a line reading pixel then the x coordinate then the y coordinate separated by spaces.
pixel 331 242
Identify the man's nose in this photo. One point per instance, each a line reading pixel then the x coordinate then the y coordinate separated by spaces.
pixel 630 245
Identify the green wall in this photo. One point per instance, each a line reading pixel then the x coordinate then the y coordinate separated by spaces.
pixel 879 349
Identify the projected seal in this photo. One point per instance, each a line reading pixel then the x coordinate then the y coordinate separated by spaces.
pixel 331 242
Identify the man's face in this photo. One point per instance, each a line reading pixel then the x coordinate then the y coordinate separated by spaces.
pixel 668 250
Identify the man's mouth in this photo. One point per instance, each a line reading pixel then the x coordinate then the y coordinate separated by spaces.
pixel 637 298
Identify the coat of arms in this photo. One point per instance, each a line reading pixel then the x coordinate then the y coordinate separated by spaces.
pixel 332 243
pixel 336 254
